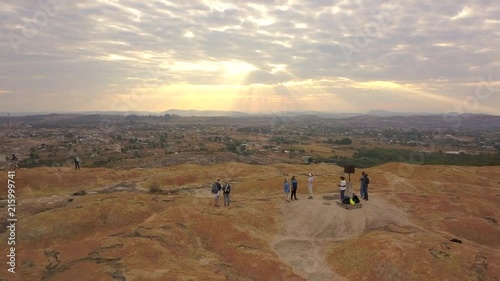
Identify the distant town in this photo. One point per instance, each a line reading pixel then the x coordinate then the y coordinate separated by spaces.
pixel 128 141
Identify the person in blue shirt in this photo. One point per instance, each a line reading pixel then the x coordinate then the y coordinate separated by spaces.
pixel 286 189
pixel 361 188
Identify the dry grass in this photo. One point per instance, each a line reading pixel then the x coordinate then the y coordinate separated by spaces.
pixel 393 256
pixel 58 181
pixel 326 150
pixel 168 234
pixel 154 187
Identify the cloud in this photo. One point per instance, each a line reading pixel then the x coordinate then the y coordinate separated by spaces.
pixel 78 49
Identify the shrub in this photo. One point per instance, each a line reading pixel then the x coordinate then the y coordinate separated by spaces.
pixel 80 193
pixel 154 187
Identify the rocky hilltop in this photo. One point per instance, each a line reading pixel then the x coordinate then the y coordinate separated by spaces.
pixel 160 224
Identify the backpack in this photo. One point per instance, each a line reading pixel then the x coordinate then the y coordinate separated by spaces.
pixel 346 200
pixel 355 198
pixel 367 180
pixel 227 188
pixel 215 188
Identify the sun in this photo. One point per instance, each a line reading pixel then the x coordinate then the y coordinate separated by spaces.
pixel 236 72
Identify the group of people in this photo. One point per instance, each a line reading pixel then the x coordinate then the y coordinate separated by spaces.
pixel 291 193
pixel 290 188
pixel 364 180
pixel 217 189
pixel 15 162
pixel 363 188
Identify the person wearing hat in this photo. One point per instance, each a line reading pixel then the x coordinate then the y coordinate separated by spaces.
pixel 310 181
pixel 342 186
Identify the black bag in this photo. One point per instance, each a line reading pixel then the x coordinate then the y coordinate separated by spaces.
pixel 346 200
pixel 227 188
pixel 215 188
pixel 355 198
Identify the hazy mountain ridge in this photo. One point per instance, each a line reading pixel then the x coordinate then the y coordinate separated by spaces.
pixel 224 113
pixel 322 114
pixel 205 113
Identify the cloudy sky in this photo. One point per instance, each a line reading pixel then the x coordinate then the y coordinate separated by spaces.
pixel 251 56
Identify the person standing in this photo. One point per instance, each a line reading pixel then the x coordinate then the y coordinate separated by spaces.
pixel 77 163
pixel 310 181
pixel 216 189
pixel 342 186
pixel 226 190
pixel 294 188
pixel 286 189
pixel 365 183
pixel 14 161
pixel 361 188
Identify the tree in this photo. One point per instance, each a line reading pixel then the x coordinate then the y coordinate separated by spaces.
pixel 34 156
pixel 343 141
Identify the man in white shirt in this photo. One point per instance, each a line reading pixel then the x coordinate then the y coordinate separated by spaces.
pixel 310 181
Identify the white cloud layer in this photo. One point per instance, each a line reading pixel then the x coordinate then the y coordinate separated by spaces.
pixel 339 56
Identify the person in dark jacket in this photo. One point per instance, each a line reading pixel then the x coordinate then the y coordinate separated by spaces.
pixel 77 163
pixel 14 161
pixel 364 184
pixel 217 195
pixel 294 188
pixel 361 187
pixel 226 191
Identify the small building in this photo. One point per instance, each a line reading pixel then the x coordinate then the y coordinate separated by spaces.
pixel 455 152
pixel 307 159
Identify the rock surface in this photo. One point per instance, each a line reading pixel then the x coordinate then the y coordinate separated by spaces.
pixel 117 230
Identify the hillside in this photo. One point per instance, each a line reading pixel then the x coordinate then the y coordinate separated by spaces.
pixel 118 230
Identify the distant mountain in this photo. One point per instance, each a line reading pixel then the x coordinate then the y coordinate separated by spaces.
pixel 205 113
pixel 319 114
pixel 212 113
pixel 222 113
pixel 384 113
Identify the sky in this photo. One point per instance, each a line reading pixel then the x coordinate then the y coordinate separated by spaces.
pixel 261 56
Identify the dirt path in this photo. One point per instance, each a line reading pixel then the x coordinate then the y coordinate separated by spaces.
pixel 308 227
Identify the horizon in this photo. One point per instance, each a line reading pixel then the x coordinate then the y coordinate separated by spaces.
pixel 121 56
pixel 373 112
